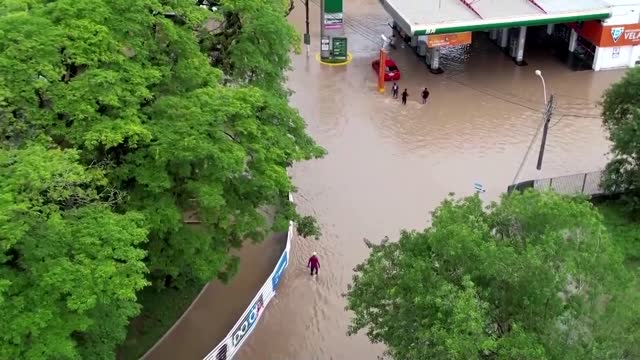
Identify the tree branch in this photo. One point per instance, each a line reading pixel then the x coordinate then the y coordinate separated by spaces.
pixel 290 9
pixel 231 137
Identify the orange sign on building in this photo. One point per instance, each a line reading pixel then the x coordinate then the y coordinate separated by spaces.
pixel 621 35
pixel 609 36
pixel 454 39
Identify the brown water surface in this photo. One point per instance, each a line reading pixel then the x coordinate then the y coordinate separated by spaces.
pixel 389 165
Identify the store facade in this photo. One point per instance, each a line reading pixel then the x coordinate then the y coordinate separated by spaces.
pixel 616 46
pixel 593 34
pixel 616 39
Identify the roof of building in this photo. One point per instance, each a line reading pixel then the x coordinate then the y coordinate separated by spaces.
pixel 560 6
pixel 490 9
pixel 622 2
pixel 421 17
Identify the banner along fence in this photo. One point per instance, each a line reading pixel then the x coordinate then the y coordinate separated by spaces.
pixel 247 322
pixel 586 183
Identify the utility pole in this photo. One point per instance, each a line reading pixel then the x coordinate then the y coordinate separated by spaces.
pixel 324 40
pixel 307 35
pixel 321 19
pixel 544 125
pixel 547 120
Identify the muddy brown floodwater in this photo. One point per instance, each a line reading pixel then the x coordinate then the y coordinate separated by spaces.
pixel 388 165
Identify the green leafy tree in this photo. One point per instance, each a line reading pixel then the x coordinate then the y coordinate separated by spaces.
pixel 129 85
pixel 621 117
pixel 70 267
pixel 533 277
pixel 250 41
pixel 139 122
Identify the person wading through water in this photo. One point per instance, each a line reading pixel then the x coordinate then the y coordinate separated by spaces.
pixel 405 94
pixel 314 263
pixel 425 95
pixel 395 89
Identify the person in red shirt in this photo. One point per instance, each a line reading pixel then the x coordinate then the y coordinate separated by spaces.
pixel 314 263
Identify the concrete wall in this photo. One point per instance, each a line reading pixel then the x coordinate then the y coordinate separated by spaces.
pixel 614 57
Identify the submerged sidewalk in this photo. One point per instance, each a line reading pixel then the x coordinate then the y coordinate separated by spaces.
pixel 219 306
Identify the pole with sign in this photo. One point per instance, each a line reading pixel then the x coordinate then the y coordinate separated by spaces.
pixel 307 35
pixel 332 40
pixel 324 40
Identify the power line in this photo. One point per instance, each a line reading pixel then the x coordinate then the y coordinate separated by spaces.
pixel 516 103
pixel 493 95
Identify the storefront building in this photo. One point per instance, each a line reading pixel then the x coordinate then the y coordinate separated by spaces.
pixel 601 34
pixel 616 39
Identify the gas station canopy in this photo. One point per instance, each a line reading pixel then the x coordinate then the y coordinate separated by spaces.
pixel 424 17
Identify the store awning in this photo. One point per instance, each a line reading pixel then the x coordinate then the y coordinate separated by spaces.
pixel 423 17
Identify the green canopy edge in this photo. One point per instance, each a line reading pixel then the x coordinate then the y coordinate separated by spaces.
pixel 509 24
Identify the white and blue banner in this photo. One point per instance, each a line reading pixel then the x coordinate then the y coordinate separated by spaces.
pixel 282 264
pixel 247 322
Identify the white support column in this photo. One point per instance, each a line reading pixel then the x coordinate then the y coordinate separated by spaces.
pixel 573 40
pixel 414 41
pixel 435 59
pixel 635 56
pixel 550 28
pixel 504 38
pixel 521 39
pixel 596 59
pixel 493 34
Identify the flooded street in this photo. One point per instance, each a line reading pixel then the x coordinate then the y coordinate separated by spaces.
pixel 389 165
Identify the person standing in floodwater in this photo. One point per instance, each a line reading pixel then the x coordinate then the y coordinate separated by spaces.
pixel 405 95
pixel 395 88
pixel 314 264
pixel 425 95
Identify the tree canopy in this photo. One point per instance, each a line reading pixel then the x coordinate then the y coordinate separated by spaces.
pixel 533 277
pixel 116 118
pixel 70 265
pixel 621 117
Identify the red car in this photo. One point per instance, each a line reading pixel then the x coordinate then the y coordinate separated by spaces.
pixel 391 72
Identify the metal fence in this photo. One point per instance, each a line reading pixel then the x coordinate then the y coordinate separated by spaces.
pixel 587 183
